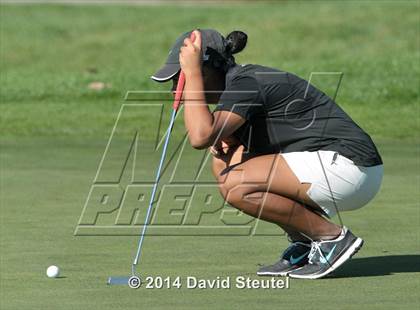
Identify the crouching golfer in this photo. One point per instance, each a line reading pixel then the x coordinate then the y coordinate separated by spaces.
pixel 283 151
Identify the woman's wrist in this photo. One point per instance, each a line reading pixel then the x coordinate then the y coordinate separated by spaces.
pixel 193 73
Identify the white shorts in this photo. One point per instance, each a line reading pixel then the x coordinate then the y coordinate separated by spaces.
pixel 352 186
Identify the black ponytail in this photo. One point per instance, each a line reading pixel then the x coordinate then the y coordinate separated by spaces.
pixel 224 60
pixel 236 41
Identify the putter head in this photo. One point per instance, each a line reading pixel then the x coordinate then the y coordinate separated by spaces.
pixel 132 281
pixel 118 280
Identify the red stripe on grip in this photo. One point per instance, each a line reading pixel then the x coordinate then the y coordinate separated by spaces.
pixel 181 83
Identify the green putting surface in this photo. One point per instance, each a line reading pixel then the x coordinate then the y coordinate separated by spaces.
pixel 45 184
pixel 54 130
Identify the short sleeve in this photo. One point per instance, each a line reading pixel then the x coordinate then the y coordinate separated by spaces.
pixel 240 97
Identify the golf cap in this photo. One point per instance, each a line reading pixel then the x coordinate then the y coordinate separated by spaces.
pixel 209 39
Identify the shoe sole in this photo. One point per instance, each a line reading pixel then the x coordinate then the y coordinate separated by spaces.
pixel 353 249
pixel 274 274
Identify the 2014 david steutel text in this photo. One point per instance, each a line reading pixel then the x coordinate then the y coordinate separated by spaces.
pixel 192 282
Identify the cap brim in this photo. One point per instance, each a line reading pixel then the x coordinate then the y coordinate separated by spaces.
pixel 165 73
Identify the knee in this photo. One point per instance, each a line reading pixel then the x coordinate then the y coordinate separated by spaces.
pixel 230 183
pixel 227 186
pixel 234 193
pixel 217 167
pixel 224 180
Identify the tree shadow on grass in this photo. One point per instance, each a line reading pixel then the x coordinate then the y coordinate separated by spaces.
pixel 378 266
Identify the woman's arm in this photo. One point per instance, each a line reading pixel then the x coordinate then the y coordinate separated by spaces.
pixel 204 128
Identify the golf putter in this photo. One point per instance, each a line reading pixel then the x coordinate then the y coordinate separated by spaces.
pixel 134 281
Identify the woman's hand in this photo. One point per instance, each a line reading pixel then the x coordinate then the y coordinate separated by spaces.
pixel 217 150
pixel 190 56
pixel 225 147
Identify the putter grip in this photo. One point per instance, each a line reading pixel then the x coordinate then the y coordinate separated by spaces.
pixel 181 83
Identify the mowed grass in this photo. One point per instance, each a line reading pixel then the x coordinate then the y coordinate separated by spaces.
pixel 49 55
pixel 44 187
pixel 54 131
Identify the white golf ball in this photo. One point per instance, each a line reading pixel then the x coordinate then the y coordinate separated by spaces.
pixel 53 271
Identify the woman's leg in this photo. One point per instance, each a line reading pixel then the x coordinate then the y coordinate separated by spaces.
pixel 293 234
pixel 266 188
pixel 234 156
pixel 287 213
